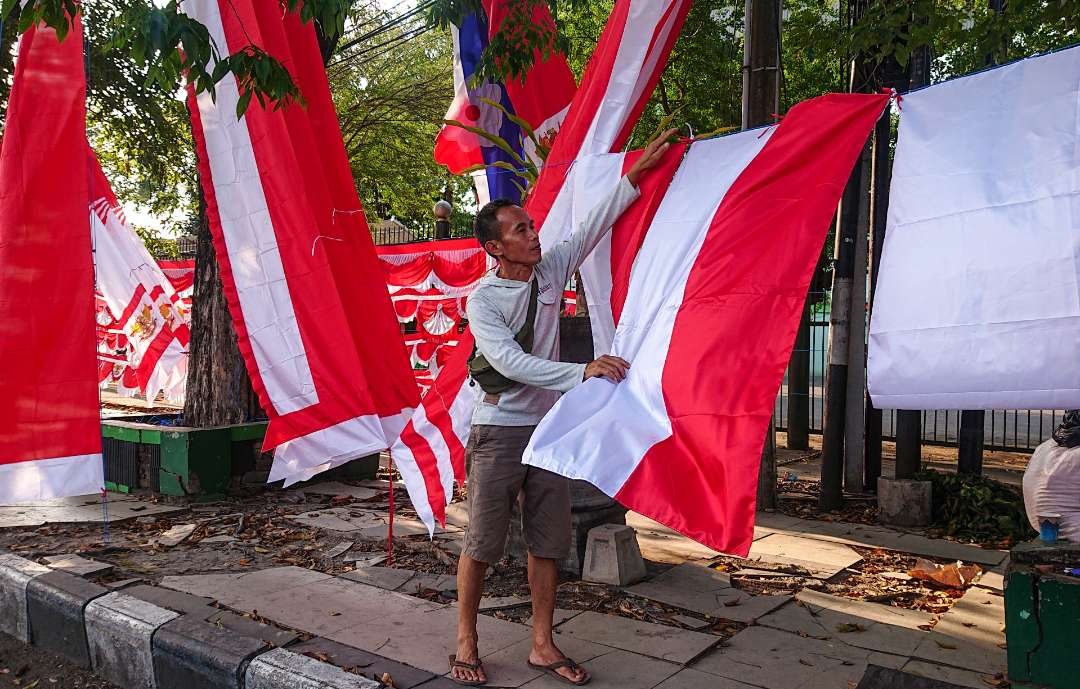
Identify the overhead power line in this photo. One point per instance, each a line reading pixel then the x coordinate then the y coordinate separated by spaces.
pixel 387 26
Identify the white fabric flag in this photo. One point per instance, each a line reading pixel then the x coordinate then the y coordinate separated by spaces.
pixel 978 300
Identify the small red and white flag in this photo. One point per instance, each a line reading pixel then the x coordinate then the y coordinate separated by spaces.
pixel 50 427
pixel 313 319
pixel 620 77
pixel 153 317
pixel 708 320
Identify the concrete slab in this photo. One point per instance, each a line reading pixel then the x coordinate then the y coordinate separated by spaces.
pixel 952 675
pixel 119 629
pixel 558 618
pixel 457 514
pixel 688 678
pixel 336 488
pixel 617 670
pixel 661 544
pixel 424 581
pixel 410 630
pixel 196 606
pixel 491 603
pixel 281 669
pixel 80 509
pixel 15 573
pixel 245 626
pixel 705 590
pixel 175 535
pixel 509 667
pixel 79 566
pixel 336 519
pixel 690 622
pixel 654 640
pixel 389 578
pixel 781 660
pixel 822 559
pixel 857 623
pixel 970 635
pixel 372 665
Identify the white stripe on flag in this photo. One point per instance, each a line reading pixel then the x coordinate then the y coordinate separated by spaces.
pixel 633 412
pixel 250 239
pixel 45 479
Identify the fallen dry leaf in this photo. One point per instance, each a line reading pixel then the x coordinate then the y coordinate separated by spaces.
pixel 945 644
pixel 957 575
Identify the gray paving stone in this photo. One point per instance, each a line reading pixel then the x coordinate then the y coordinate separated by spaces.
pixel 79 566
pixel 491 603
pixel 819 615
pixel 617 670
pixel 372 664
pixel 969 634
pixel 196 606
pixel 424 581
pixel 654 640
pixel 56 604
pixel 688 678
pixel 661 544
pixel 122 583
pixel 119 629
pixel 704 590
pixel 190 653
pixel 558 618
pixel 80 510
pixel 249 586
pixel 245 626
pixel 954 676
pixel 821 558
pixel 15 574
pixel 457 514
pixel 509 667
pixel 336 488
pixel 175 535
pixel 691 622
pixel 781 660
pixel 389 578
pixel 282 669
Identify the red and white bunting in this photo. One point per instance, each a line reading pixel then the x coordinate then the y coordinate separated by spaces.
pixel 50 428
pixel 313 319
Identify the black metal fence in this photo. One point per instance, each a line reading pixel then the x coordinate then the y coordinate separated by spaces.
pixel 388 233
pixel 1009 430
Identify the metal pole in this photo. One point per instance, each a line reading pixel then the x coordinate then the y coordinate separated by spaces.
pixel 760 101
pixel 879 204
pixel 855 419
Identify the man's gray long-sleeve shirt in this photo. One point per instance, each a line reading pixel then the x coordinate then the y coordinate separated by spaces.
pixel 497 310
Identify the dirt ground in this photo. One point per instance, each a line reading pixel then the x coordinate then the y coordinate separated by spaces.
pixel 28 667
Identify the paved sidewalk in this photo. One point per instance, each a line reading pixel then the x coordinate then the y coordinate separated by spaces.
pixel 801 641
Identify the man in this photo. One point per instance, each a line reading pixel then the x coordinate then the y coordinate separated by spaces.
pixel 531 382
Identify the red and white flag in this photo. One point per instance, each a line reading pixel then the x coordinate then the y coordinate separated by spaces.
pixel 617 83
pixel 50 428
pixel 153 317
pixel 708 321
pixel 313 318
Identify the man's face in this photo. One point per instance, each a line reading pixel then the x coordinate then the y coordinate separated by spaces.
pixel 518 241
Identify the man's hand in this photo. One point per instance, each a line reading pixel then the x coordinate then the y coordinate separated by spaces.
pixel 611 367
pixel 651 156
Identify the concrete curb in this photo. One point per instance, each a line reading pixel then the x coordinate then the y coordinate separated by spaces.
pixel 139 644
pixel 120 631
pixel 280 668
pixel 15 574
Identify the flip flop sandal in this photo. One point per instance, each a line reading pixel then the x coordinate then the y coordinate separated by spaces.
pixel 478 666
pixel 567 663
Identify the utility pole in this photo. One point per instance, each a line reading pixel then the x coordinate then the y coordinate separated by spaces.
pixel 909 421
pixel 760 102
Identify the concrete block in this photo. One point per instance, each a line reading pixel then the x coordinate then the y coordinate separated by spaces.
pixel 119 630
pixel 281 669
pixel 372 665
pixel 191 653
pixel 177 601
pixel 612 556
pixel 246 626
pixel 904 502
pixel 15 573
pixel 56 603
pixel 75 564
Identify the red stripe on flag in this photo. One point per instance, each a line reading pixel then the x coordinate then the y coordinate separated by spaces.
pixel 746 291
pixel 429 469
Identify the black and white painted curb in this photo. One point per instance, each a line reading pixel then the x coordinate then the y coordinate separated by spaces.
pixel 138 644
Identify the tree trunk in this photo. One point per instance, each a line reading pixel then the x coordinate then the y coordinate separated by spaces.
pixel 218 388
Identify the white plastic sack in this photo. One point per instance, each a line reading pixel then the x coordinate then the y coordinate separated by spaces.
pixel 1052 486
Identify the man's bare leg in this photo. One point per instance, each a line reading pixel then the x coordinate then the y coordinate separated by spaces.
pixel 470 582
pixel 543 580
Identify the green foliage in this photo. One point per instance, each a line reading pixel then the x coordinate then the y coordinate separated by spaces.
pixel 978 509
pixel 169 45
pixel 158 246
pixel 390 106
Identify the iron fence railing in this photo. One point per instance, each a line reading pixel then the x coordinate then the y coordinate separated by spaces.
pixel 1008 430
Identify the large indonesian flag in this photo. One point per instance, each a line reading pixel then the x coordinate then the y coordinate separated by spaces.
pixel 50 431
pixel 709 316
pixel 313 318
pixel 153 317
pixel 617 83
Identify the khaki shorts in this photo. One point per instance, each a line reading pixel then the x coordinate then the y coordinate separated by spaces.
pixel 496 479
